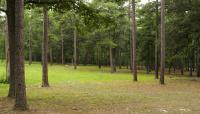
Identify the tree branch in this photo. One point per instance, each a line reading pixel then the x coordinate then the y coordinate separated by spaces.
pixel 41 2
pixel 3 10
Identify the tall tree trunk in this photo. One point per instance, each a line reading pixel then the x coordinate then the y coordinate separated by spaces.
pixel 99 56
pixel 11 35
pixel 198 68
pixel 114 60
pixel 7 53
pixel 111 60
pixel 119 59
pixel 162 70
pixel 20 101
pixel 156 42
pixel 198 60
pixel 174 69
pixel 169 71
pixel 75 48
pixel 130 38
pixel 45 82
pixel 134 41
pixel 182 69
pixel 62 38
pixel 30 44
pixel 190 71
pixel 51 55
pixel 190 66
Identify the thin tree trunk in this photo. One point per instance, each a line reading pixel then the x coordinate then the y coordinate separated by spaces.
pixel 169 71
pixel 11 35
pixel 198 61
pixel 148 69
pixel 198 68
pixel 156 42
pixel 99 57
pixel 114 61
pixel 182 70
pixel 162 70
pixel 20 101
pixel 130 38
pixel 75 49
pixel 111 59
pixel 134 42
pixel 62 37
pixel 30 44
pixel 7 53
pixel 190 69
pixel 51 55
pixel 119 59
pixel 45 82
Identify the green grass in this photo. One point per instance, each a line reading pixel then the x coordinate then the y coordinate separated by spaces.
pixel 90 90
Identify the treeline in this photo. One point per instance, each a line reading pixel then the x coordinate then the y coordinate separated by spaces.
pixel 109 41
pixel 101 42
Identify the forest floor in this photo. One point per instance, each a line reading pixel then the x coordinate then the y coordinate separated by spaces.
pixel 89 90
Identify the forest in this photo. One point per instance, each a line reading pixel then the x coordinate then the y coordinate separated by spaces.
pixel 99 56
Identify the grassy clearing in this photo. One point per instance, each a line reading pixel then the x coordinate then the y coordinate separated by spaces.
pixel 89 90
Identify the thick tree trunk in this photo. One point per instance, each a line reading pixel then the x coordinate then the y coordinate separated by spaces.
pixel 62 45
pixel 75 49
pixel 134 41
pixel 30 44
pixel 156 42
pixel 20 101
pixel 45 82
pixel 162 70
pixel 11 35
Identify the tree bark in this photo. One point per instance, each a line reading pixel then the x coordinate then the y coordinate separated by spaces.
pixel 45 82
pixel 156 42
pixel 162 70
pixel 134 42
pixel 11 35
pixel 20 101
